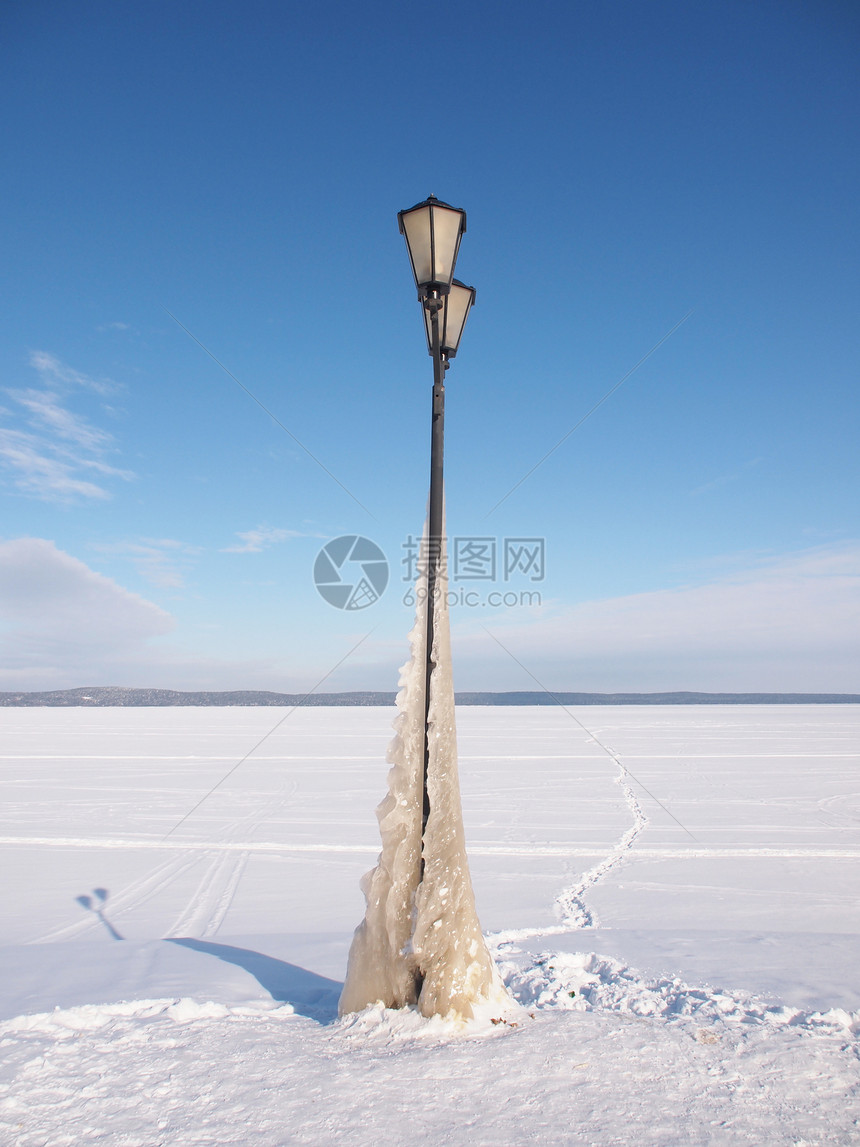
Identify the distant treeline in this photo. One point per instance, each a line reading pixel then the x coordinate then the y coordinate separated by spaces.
pixel 101 696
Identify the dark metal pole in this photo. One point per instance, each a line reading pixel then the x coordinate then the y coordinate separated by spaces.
pixel 433 303
pixel 434 526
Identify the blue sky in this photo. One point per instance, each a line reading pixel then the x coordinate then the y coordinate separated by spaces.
pixel 623 166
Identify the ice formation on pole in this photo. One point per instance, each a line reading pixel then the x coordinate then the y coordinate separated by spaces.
pixel 420 940
pixel 381 963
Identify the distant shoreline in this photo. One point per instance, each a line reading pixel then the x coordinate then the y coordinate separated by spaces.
pixel 118 697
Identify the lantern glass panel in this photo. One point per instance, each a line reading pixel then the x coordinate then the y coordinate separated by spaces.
pixel 458 303
pixel 447 228
pixel 416 228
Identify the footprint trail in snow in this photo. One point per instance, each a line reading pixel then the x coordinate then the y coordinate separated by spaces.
pixel 570 905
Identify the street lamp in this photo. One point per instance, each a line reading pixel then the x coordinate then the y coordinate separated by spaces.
pixel 420 941
pixel 433 231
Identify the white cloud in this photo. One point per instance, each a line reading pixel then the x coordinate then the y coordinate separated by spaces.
pixel 784 624
pixel 63 625
pixel 161 561
pixel 55 454
pixel 255 541
pixel 60 618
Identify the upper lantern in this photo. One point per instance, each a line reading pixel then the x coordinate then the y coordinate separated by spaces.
pixel 433 231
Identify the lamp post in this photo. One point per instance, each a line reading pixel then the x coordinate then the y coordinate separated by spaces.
pixel 420 942
pixel 433 231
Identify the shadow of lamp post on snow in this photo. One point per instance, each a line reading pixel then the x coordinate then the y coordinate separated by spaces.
pixel 420 942
pixel 308 993
pixel 95 904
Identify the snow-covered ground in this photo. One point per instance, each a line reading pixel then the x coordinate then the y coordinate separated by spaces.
pixel 672 894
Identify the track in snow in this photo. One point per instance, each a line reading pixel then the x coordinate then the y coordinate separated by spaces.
pixel 570 905
pixel 207 907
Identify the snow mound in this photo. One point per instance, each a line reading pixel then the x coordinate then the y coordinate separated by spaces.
pixel 392 1025
pixel 68 1022
pixel 187 1073
pixel 579 981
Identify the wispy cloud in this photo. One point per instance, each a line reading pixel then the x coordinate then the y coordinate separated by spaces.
pixel 782 623
pixel 113 327
pixel 47 413
pixel 161 561
pixel 51 368
pixel 726 479
pixel 262 538
pixel 39 472
pixel 55 451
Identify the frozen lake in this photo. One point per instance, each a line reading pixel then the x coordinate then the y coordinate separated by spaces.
pixel 758 825
pixel 714 844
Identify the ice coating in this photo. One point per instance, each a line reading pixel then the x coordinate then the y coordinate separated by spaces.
pixel 381 967
pixel 428 930
pixel 448 943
